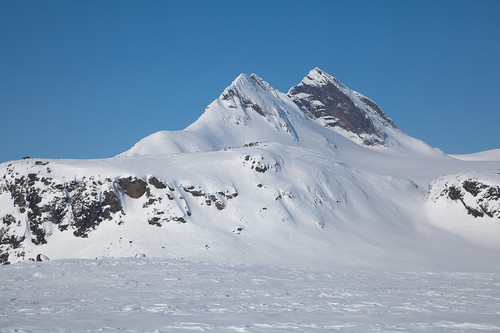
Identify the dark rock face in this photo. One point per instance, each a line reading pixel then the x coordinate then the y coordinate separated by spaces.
pixel 133 187
pixel 79 205
pixel 479 199
pixel 156 183
pixel 8 238
pixel 339 107
pixel 90 205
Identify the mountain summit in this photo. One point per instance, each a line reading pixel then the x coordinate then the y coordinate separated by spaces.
pixel 250 110
pixel 319 176
pixel 321 96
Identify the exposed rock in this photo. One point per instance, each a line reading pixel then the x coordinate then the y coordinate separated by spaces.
pixel 111 204
pixel 156 182
pixel 321 96
pixel 133 186
pixel 80 205
pixel 154 221
pixel 194 192
pixel 42 257
pixel 478 198
pixel 11 240
pixel 8 220
pixel 261 165
pixel 179 219
pixel 215 198
pixel 473 187
pixel 4 258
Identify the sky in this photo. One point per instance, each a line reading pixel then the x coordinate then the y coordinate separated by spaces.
pixel 88 79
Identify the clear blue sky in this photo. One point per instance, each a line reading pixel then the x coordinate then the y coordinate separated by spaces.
pixel 88 79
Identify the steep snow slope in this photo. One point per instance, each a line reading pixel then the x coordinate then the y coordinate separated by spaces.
pixel 254 180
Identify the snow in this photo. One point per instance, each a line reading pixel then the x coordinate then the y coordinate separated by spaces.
pixel 368 208
pixel 317 232
pixel 488 155
pixel 159 295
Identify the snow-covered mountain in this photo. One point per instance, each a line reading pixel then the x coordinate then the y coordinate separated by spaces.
pixel 318 176
pixel 250 110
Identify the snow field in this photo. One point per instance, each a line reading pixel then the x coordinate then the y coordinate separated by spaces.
pixel 161 295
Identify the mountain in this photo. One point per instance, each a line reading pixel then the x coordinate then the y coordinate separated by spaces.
pixel 250 110
pixel 318 176
pixel 321 96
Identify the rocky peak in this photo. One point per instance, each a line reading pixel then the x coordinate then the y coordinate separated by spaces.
pixel 321 96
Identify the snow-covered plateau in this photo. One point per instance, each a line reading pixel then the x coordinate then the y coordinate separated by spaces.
pixel 302 211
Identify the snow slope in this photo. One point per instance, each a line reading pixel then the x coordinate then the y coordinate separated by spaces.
pixel 489 155
pixel 255 180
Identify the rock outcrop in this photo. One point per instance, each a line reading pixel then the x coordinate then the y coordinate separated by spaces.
pixel 42 205
pixel 479 197
pixel 321 96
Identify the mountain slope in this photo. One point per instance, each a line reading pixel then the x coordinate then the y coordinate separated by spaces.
pixel 255 179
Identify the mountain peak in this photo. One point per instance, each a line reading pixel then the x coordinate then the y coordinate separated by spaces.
pixel 318 77
pixel 246 90
pixel 249 94
pixel 323 97
pixel 252 82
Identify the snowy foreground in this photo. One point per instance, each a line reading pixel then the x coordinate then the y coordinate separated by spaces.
pixel 161 295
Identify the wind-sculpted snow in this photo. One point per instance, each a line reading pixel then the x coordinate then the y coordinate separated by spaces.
pixel 152 295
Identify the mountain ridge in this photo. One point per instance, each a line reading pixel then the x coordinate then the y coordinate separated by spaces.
pixel 257 180
pixel 239 110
